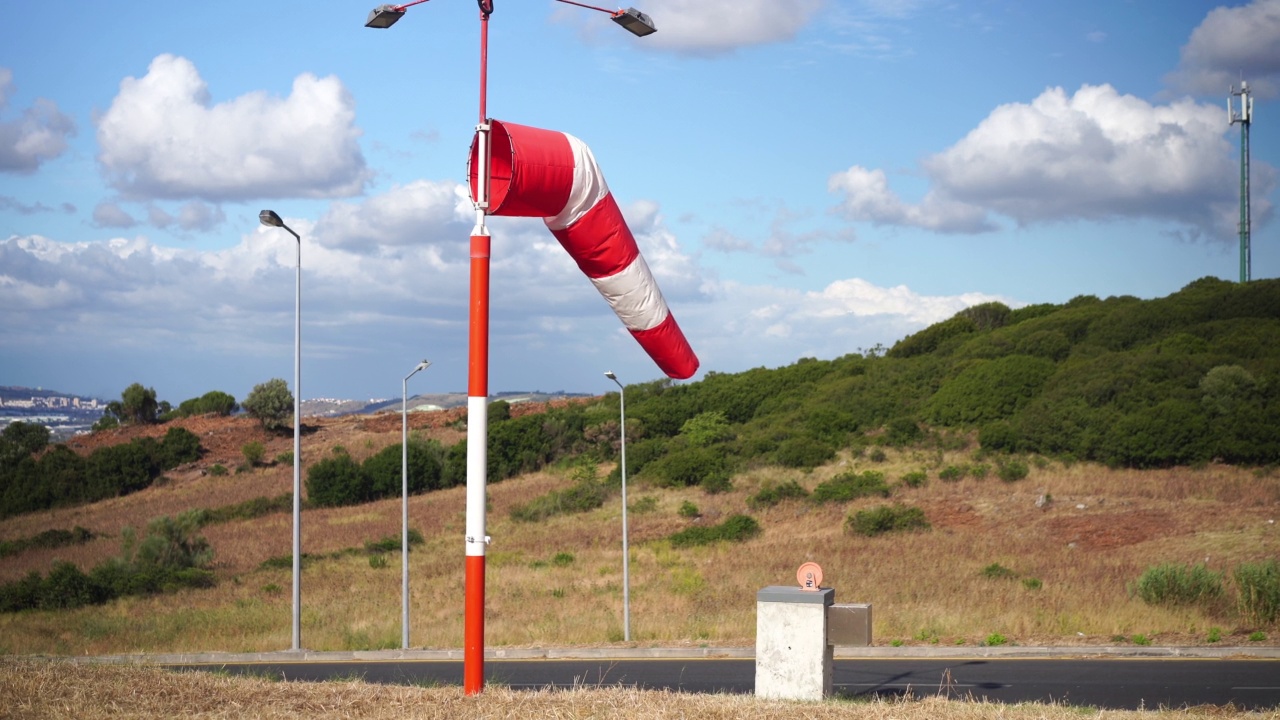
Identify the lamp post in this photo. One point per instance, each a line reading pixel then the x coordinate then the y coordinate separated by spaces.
pixel 404 503
pixel 626 555
pixel 270 218
pixel 476 539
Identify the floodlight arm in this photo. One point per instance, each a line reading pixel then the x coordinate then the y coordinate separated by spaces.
pixel 631 19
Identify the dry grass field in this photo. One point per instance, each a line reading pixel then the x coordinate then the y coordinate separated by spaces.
pixel 42 690
pixel 1071 557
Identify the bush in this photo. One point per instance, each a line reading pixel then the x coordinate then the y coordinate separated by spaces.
pixel 336 481
pixel 737 528
pixel 1259 587
pixel 717 482
pixel 850 485
pixel 425 469
pixel 270 403
pixel 179 446
pixel 586 495
pixel 1012 470
pixel 996 571
pixel 1170 584
pixel 771 494
pixel 902 431
pixel 886 518
pixel 803 451
pixel 998 436
pixel 688 510
pixel 952 473
pixel 253 452
pixel 915 479
pixel 685 468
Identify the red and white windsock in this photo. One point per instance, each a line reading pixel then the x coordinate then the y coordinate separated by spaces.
pixel 553 175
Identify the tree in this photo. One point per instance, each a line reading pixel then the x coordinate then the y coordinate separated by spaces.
pixel 271 403
pixel 138 405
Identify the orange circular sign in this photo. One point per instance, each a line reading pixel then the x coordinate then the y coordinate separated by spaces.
pixel 809 576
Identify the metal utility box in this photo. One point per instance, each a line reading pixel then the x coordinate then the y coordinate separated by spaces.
pixel 849 625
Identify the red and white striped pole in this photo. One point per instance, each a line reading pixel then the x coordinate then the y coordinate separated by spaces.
pixel 478 396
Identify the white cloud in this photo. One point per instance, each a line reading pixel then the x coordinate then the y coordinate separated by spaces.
pixel 1094 155
pixel 111 215
pixel 225 317
pixel 867 197
pixel 710 27
pixel 1231 44
pixel 163 138
pixel 40 134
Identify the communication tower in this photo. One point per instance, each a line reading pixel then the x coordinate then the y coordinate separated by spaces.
pixel 1244 116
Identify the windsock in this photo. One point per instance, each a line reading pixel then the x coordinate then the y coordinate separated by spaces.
pixel 553 175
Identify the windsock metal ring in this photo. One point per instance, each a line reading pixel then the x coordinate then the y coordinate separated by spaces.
pixel 553 175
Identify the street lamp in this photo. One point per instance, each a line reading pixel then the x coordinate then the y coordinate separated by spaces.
pixel 270 218
pixel 404 503
pixel 475 538
pixel 626 558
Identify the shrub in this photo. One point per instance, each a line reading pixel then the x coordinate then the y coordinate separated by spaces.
pixel 688 510
pixel 995 639
pixel 996 571
pixel 771 494
pixel 902 431
pixel 179 446
pixel 952 473
pixel 803 451
pixel 425 469
pixel 1012 470
pixel 586 495
pixel 878 455
pixel 1171 584
pixel 643 505
pixel 685 468
pixel 48 539
pixel 915 479
pixel 1259 587
pixel 998 436
pixel 270 403
pixel 717 482
pixel 336 481
pixel 391 543
pixel 1032 583
pixel 249 509
pixel 886 518
pixel 850 485
pixel 737 528
pixel 562 559
pixel 217 469
pixel 253 452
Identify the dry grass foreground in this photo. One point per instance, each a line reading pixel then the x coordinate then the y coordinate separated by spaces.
pixel 37 689
pixel 558 583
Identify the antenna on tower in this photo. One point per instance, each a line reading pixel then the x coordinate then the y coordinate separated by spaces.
pixel 1244 116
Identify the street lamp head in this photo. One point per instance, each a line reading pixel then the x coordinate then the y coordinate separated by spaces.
pixel 384 16
pixel 609 374
pixel 269 217
pixel 635 22
pixel 423 365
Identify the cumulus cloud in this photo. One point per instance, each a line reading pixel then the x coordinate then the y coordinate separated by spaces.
pixel 1230 44
pixel 1094 155
pixel 225 316
pixel 711 27
pixel 163 138
pixel 38 135
pixel 867 197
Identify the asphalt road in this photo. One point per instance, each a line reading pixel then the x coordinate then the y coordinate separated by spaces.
pixel 1105 683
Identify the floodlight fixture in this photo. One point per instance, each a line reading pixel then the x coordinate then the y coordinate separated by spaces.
pixel 384 16
pixel 635 22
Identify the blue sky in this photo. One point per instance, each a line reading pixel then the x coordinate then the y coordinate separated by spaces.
pixel 806 179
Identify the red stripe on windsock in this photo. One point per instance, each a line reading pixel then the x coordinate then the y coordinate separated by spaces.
pixel 668 347
pixel 548 174
pixel 601 243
